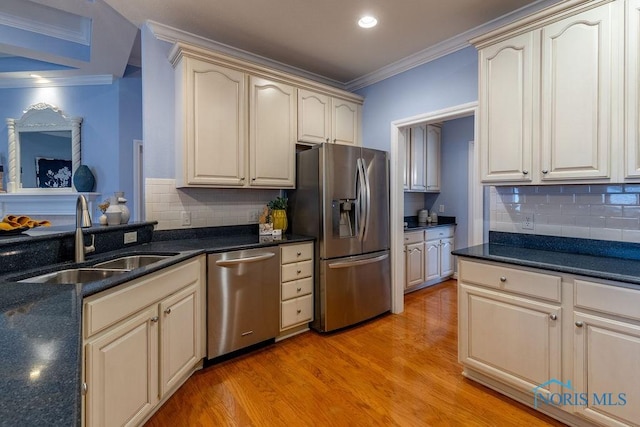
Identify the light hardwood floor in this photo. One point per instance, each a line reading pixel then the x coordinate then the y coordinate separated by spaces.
pixel 397 370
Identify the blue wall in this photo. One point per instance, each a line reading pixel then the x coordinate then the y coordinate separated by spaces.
pixel 112 119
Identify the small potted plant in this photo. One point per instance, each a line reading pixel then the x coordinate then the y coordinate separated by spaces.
pixel 265 227
pixel 278 208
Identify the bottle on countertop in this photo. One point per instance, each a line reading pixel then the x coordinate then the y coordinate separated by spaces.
pixel 434 217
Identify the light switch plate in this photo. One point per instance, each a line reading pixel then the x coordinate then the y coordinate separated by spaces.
pixel 130 237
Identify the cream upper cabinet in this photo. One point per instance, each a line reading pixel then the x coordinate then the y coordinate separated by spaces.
pixel 212 123
pixel 433 158
pixel 272 133
pixel 314 117
pixel 324 118
pixel 506 108
pixel 550 97
pixel 632 89
pixel 418 159
pixel 238 130
pixel 422 166
pixel 578 61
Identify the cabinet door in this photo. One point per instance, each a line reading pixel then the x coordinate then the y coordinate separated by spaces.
pixel 632 89
pixel 345 122
pixel 506 108
pixel 418 170
pixel 414 264
pixel 606 366
pixel 180 329
pixel 432 260
pixel 514 339
pixel 122 372
pixel 314 117
pixel 446 259
pixel 432 164
pixel 272 133
pixel 578 57
pixel 215 125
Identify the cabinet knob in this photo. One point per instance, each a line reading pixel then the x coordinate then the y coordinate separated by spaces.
pixel 242 179
pixel 85 388
pixel 579 324
pixel 334 140
pixel 503 279
pixel 525 172
pixel 299 253
pixel 298 271
pixel 298 311
pixel 327 140
pixel 553 317
pixel 298 289
pixel 154 319
pixel 167 311
pixel 253 179
pixel 545 171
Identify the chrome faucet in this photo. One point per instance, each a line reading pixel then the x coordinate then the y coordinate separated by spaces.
pixel 83 220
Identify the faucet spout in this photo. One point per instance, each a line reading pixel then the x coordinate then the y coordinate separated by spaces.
pixel 83 220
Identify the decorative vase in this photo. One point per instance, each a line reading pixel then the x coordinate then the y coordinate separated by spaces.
pixel 126 214
pixel 103 219
pixel 279 218
pixel 113 213
pixel 83 179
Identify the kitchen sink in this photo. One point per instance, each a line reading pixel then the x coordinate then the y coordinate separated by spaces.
pixel 131 262
pixel 74 275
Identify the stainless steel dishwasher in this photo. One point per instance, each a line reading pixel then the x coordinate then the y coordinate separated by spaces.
pixel 242 299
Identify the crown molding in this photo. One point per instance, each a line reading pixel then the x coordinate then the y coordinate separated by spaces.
pixel 446 47
pixel 174 35
pixel 8 83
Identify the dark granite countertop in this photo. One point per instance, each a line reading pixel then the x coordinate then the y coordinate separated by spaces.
pixel 414 225
pixel 40 331
pixel 615 261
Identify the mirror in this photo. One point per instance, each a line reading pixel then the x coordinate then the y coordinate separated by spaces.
pixel 44 150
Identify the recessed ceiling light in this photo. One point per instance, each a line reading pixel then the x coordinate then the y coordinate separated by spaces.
pixel 367 22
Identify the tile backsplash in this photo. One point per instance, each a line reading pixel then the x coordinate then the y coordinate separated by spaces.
pixel 207 207
pixel 604 212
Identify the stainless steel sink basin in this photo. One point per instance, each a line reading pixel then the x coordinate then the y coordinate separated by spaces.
pixel 74 275
pixel 131 262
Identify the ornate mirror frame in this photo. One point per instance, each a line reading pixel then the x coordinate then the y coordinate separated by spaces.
pixel 40 117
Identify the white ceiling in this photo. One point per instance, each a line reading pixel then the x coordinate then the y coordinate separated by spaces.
pixel 321 36
pixel 316 38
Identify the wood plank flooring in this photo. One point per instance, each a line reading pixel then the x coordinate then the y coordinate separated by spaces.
pixel 397 370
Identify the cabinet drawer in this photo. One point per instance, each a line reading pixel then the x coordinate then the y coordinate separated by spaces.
pixel 607 299
pixel 106 308
pixel 509 279
pixel 295 253
pixel 438 233
pixel 298 310
pixel 298 270
pixel 413 237
pixel 297 288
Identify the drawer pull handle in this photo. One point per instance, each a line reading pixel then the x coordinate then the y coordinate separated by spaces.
pixel 298 289
pixel 167 311
pixel 503 279
pixel 244 334
pixel 525 172
pixel 553 317
pixel 154 319
pixel 298 311
pixel 299 253
pixel 298 271
pixel 579 324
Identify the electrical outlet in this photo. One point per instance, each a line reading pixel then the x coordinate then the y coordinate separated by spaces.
pixel 527 222
pixel 253 216
pixel 185 217
pixel 131 237
pixel 441 210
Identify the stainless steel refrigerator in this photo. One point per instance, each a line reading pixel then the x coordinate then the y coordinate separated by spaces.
pixel 342 199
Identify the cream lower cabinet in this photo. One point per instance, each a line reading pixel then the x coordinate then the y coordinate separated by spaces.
pixel 233 129
pixel 296 288
pixel 429 261
pixel 323 118
pixel 568 346
pixel 414 259
pixel 607 353
pixel 142 340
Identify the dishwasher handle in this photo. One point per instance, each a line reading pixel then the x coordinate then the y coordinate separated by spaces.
pixel 231 262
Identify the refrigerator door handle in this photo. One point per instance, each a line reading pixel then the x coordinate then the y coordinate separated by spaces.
pixel 367 198
pixel 346 264
pixel 361 195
